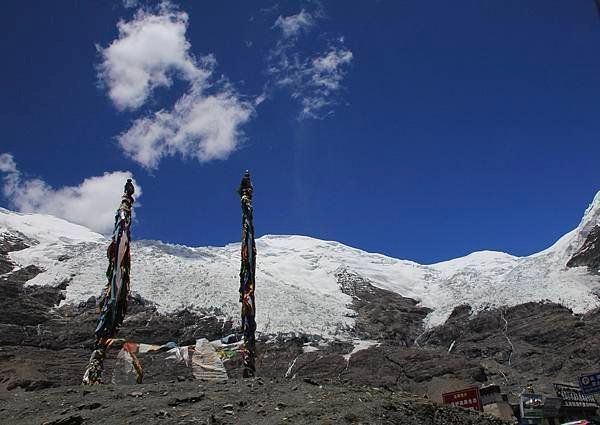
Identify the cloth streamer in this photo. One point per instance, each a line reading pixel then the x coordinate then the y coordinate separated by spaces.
pixel 205 359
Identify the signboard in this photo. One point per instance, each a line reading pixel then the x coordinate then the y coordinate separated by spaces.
pixel 573 397
pixel 532 405
pixel 490 394
pixel 552 407
pixel 467 398
pixel 590 384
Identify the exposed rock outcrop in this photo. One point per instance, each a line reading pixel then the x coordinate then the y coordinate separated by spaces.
pixel 589 253
pixel 382 315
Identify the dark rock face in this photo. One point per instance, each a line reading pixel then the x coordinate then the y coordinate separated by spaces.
pixel 10 242
pixel 382 315
pixel 21 305
pixel 589 253
pixel 410 369
pixel 25 305
pixel 538 343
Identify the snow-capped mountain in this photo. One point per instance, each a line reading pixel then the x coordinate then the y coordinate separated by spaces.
pixel 297 288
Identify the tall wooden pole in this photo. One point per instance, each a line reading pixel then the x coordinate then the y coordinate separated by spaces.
pixel 247 274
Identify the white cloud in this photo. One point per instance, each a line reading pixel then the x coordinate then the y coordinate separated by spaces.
pixel 148 51
pixel 92 203
pixel 203 124
pixel 293 25
pixel 199 126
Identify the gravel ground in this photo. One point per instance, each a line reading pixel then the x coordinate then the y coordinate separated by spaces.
pixel 255 401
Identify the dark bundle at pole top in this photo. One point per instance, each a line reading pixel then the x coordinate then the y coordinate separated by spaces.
pixel 129 189
pixel 127 197
pixel 246 187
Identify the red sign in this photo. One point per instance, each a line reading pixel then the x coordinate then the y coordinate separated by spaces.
pixel 467 398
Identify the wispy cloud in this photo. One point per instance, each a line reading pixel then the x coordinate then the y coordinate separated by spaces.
pixel 92 203
pixel 7 163
pixel 151 50
pixel 314 80
pixel 293 25
pixel 130 3
pixel 270 9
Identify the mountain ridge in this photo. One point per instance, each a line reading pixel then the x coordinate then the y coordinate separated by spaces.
pixel 297 287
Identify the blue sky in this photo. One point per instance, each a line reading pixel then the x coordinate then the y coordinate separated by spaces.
pixel 422 130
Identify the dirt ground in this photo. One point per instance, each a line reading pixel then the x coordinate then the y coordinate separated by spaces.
pixel 253 401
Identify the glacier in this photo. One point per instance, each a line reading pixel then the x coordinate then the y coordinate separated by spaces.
pixel 297 290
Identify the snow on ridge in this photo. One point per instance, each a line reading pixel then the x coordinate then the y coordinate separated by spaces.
pixel 52 241
pixel 46 228
pixel 565 247
pixel 478 259
pixel 591 217
pixel 297 290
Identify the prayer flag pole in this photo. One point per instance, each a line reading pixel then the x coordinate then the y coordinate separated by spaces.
pixel 247 273
pixel 113 304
